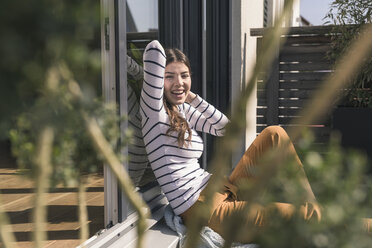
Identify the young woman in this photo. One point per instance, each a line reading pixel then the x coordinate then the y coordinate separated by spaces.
pixel 171 115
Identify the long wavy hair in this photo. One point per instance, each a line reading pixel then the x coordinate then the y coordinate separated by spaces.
pixel 178 124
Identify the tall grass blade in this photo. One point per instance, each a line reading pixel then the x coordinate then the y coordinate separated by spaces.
pixel 6 233
pixel 43 163
pixel 83 213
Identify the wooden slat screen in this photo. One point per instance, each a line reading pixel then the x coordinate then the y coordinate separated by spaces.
pixel 298 69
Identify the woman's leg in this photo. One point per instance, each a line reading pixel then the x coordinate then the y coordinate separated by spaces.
pixel 271 137
pixel 234 213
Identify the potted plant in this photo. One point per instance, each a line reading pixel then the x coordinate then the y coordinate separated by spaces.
pixel 352 117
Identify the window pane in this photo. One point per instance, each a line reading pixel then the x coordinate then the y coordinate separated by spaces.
pixel 142 27
pixel 142 15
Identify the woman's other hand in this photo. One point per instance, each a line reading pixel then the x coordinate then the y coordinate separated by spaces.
pixel 190 97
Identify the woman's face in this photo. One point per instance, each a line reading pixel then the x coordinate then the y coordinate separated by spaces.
pixel 177 82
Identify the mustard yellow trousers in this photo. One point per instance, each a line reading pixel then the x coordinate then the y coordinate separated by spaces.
pixel 226 203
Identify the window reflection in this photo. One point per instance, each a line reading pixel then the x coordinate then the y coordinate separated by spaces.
pixel 142 27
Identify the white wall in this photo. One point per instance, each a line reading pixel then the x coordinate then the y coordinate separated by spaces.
pixel 275 8
pixel 246 14
pixel 296 15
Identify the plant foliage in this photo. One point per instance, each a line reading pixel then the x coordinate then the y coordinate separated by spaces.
pixel 343 189
pixel 349 16
pixel 36 33
pixel 73 153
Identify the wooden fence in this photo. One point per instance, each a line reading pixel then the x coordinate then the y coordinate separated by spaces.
pixel 299 67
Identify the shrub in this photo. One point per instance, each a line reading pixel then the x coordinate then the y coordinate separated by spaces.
pixel 349 16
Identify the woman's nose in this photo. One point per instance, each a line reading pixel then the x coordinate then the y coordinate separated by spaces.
pixel 179 80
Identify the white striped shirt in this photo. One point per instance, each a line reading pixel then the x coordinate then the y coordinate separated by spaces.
pixel 176 168
pixel 137 159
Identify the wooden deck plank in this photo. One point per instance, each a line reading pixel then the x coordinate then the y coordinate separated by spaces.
pixel 9 200
pixel 11 179
pixel 63 244
pixel 63 226
pixel 28 244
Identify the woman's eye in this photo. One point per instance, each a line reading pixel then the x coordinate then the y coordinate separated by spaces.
pixel 169 77
pixel 185 75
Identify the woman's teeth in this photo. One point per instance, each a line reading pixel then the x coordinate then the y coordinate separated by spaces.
pixel 177 92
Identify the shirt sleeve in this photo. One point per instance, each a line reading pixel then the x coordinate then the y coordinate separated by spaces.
pixel 154 60
pixel 204 117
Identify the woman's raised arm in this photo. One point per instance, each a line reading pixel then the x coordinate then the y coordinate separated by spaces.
pixel 154 61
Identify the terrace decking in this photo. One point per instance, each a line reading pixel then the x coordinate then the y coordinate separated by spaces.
pixel 16 194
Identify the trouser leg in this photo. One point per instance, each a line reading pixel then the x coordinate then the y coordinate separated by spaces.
pixel 225 221
pixel 257 216
pixel 271 137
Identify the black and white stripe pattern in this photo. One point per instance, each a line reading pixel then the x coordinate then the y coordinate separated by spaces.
pixel 176 168
pixel 137 156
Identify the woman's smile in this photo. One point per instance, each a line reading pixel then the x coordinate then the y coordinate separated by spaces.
pixel 177 83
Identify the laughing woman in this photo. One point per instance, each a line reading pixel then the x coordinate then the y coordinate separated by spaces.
pixel 171 117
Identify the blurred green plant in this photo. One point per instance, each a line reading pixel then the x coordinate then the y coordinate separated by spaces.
pixel 84 134
pixel 73 153
pixel 337 177
pixel 36 33
pixel 343 189
pixel 53 146
pixel 349 16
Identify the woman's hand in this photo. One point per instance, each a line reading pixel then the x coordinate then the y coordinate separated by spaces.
pixel 190 97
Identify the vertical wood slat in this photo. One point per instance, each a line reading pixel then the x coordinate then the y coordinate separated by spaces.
pixel 272 93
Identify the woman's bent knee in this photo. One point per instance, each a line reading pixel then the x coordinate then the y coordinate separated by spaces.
pixel 272 130
pixel 275 132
